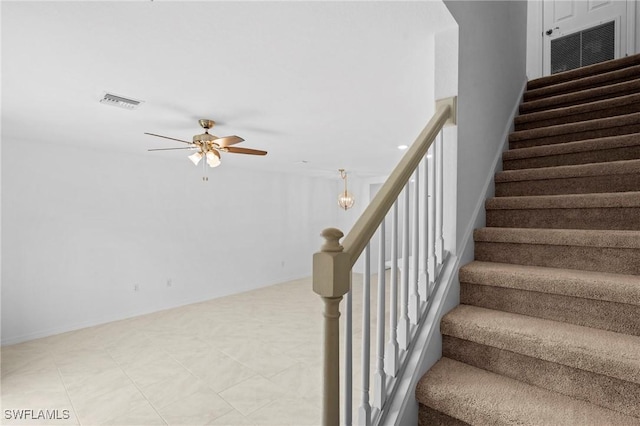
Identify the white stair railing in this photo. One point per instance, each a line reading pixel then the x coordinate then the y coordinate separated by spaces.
pixel 421 258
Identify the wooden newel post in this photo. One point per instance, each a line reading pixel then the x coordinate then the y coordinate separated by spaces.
pixel 331 280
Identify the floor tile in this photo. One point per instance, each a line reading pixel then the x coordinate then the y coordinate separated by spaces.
pixel 20 362
pixel 236 360
pixel 232 418
pixel 257 356
pixel 287 411
pixel 95 384
pixel 252 394
pixel 143 415
pixel 217 370
pixel 84 361
pixel 21 383
pixel 199 408
pixel 173 389
pixel 301 381
pixel 107 406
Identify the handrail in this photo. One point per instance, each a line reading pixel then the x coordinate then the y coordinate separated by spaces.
pixel 333 264
pixel 357 239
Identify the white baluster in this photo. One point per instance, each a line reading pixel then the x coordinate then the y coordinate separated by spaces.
pixel 440 199
pixel 431 263
pixel 414 299
pixel 403 323
pixel 423 280
pixel 348 359
pixel 364 415
pixel 391 354
pixel 379 379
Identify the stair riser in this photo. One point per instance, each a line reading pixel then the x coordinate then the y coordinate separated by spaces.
pixel 603 67
pixel 627 218
pixel 570 159
pixel 574 185
pixel 605 391
pixel 580 98
pixel 427 416
pixel 603 259
pixel 605 315
pixel 620 76
pixel 575 136
pixel 584 116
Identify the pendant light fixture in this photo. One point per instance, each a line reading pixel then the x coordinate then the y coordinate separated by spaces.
pixel 345 199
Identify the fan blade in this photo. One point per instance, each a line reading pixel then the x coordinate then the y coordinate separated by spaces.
pixel 228 141
pixel 169 149
pixel 167 137
pixel 244 151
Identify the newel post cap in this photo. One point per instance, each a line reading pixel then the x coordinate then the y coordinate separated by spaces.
pixel 332 240
pixel 331 266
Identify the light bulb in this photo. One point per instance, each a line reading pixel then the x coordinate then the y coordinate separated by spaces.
pixel 196 157
pixel 346 200
pixel 212 159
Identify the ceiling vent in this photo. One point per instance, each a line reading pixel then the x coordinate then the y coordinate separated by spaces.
pixel 119 101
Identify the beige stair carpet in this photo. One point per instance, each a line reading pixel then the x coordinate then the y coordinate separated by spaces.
pixel 548 330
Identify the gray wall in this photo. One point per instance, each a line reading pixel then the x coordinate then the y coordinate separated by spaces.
pixel 492 64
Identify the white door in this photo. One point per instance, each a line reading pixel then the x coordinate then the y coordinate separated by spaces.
pixel 583 32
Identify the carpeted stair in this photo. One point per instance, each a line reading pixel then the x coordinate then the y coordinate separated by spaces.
pixel 548 329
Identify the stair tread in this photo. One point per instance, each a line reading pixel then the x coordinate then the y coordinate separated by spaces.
pixel 618 288
pixel 625 87
pixel 588 81
pixel 478 396
pixel 584 71
pixel 564 237
pixel 590 349
pixel 573 147
pixel 581 126
pixel 565 201
pixel 578 170
pixel 578 109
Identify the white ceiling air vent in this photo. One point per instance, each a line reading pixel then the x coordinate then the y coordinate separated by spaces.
pixel 119 101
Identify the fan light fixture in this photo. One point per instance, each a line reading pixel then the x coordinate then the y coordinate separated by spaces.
pixel 213 158
pixel 196 157
pixel 345 199
pixel 209 146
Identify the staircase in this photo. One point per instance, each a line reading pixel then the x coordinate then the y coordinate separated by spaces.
pixel 548 329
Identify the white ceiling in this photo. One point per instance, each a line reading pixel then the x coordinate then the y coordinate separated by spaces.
pixel 337 84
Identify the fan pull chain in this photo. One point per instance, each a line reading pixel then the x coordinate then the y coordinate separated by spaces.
pixel 205 178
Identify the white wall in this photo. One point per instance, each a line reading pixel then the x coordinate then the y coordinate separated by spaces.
pixel 637 29
pixel 491 77
pixel 534 39
pixel 446 85
pixel 81 228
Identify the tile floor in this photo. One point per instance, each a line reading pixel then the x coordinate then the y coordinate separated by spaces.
pixel 249 359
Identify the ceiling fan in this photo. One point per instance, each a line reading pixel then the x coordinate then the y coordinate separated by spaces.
pixel 210 146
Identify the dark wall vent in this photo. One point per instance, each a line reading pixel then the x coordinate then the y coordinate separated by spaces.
pixel 587 47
